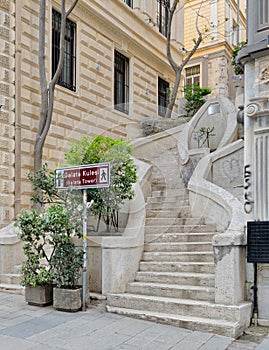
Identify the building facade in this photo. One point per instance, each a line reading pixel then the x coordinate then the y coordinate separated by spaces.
pixel 255 59
pixel 115 73
pixel 223 24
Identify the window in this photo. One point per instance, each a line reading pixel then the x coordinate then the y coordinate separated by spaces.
pixel 67 77
pixel 129 3
pixel 235 33
pixel 121 83
pixel 163 96
pixel 192 75
pixel 162 16
pixel 263 14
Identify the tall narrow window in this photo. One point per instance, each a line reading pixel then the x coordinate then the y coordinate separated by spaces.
pixel 121 83
pixel 162 15
pixel 129 3
pixel 163 96
pixel 192 75
pixel 67 77
pixel 263 14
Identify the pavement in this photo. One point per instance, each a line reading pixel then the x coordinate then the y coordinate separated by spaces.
pixel 24 327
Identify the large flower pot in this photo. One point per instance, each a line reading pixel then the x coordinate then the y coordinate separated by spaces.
pixel 67 299
pixel 39 295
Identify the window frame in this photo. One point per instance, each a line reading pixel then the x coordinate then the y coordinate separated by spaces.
pixel 129 3
pixel 67 78
pixel 262 21
pixel 192 76
pixel 163 96
pixel 121 82
pixel 162 16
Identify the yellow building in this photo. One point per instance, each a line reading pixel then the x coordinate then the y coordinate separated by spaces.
pixel 115 73
pixel 223 25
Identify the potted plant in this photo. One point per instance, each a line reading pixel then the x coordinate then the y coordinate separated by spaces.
pixel 66 266
pixel 42 233
pixel 35 270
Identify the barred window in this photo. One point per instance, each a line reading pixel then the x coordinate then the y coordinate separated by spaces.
pixel 129 3
pixel 121 83
pixel 163 96
pixel 67 77
pixel 162 15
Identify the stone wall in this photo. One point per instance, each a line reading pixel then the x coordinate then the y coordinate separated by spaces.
pixel 7 115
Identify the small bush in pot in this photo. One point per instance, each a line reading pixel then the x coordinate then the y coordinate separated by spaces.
pixel 35 269
pixel 66 266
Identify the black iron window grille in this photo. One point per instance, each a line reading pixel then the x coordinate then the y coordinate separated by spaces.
pixel 121 83
pixel 163 96
pixel 67 77
pixel 162 16
pixel 129 3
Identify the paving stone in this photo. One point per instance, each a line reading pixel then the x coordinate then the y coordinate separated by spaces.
pixel 264 345
pixel 217 343
pixel 97 330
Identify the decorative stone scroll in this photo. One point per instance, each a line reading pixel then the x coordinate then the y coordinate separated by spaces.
pixel 258 108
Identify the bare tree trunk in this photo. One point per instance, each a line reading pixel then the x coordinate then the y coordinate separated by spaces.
pixel 177 68
pixel 47 90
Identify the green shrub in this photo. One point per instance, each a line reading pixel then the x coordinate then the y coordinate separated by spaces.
pixel 237 69
pixel 194 96
pixel 66 265
pixel 122 170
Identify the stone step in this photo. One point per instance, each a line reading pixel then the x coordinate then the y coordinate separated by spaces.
pixel 162 186
pixel 173 200
pixel 183 307
pixel 178 256
pixel 166 164
pixel 175 206
pixel 11 278
pixel 178 247
pixel 172 290
pixel 179 237
pixel 175 266
pixel 12 288
pixel 181 212
pixel 182 278
pixel 203 324
pixel 172 228
pixel 156 221
pixel 183 192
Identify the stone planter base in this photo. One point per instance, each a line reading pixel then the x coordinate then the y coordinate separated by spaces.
pixel 39 296
pixel 69 300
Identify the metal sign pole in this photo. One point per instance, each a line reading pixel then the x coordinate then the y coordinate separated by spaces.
pixel 84 276
pixel 83 177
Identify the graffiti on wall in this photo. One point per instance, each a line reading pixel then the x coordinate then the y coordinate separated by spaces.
pixel 248 200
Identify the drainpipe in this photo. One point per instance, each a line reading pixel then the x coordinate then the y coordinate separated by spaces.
pixel 17 166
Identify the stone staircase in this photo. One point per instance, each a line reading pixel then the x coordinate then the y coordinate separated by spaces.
pixel 10 282
pixel 175 281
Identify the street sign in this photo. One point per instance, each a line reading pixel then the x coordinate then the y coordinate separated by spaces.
pixel 83 176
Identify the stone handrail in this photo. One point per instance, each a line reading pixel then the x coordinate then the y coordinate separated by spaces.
pixel 202 119
pixel 227 212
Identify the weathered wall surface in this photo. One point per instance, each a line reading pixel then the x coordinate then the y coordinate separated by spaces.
pixel 7 116
pixel 227 172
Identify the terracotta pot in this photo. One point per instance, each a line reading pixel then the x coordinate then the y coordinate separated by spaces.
pixel 69 300
pixel 40 295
